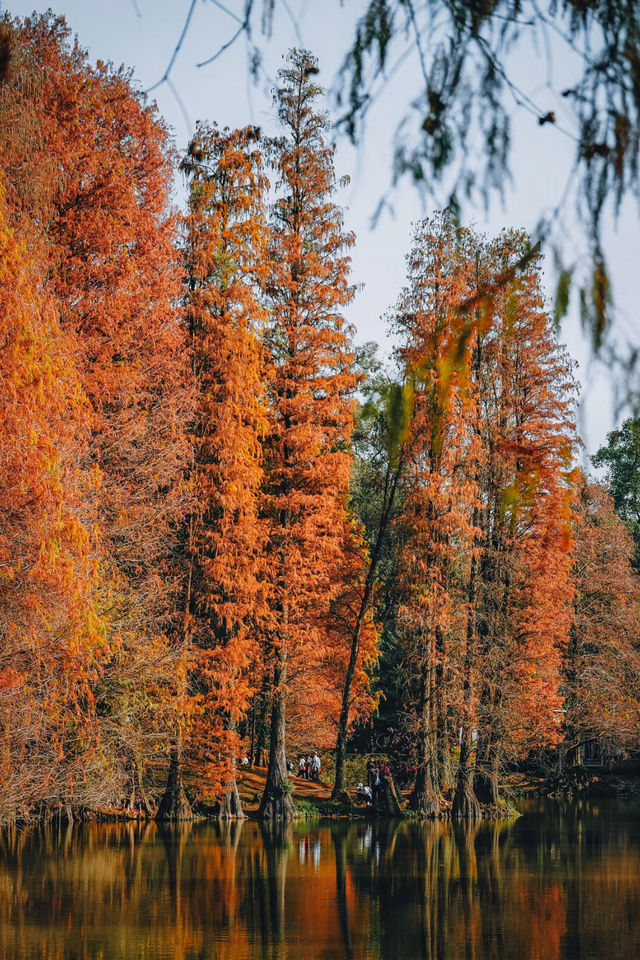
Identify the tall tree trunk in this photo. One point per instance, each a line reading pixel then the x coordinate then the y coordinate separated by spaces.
pixel 496 582
pixel 465 802
pixel 259 711
pixel 487 786
pixel 174 804
pixel 252 743
pixel 261 737
pixel 277 803
pixel 442 773
pixel 339 785
pixel 424 799
pixel 392 478
pixel 138 805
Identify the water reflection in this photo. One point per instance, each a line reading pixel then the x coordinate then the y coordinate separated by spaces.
pixel 561 883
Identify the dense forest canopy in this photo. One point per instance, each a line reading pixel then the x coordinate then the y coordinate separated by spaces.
pixel 225 531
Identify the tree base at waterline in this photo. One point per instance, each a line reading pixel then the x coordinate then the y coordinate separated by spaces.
pixel 424 802
pixel 277 804
pixel 229 807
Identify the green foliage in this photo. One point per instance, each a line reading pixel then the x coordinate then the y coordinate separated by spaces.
pixel 601 299
pixel 621 459
pixel 355 770
pixel 563 290
pixel 307 810
pixel 288 787
pixel 385 416
pixel 507 809
pixel 313 810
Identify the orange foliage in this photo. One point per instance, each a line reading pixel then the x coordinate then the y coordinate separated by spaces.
pixel 485 568
pixel 89 172
pixel 439 514
pixel 175 461
pixel 226 259
pixel 602 669
pixel 52 639
pixel 526 410
pixel 308 459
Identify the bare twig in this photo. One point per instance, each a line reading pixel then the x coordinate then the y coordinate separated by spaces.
pixel 418 36
pixel 294 21
pixel 230 13
pixel 167 72
pixel 180 103
pixel 243 28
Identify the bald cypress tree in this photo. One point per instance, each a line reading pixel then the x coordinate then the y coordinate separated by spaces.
pixel 311 407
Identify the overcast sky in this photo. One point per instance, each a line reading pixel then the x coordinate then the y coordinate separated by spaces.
pixel 143 35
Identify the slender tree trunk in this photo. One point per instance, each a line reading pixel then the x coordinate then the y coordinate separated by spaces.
pixel 339 785
pixel 252 753
pixel 338 791
pixel 259 721
pixel 390 487
pixel 277 803
pixel 442 771
pixel 497 583
pixel 494 777
pixel 424 799
pixel 465 802
pixel 138 804
pixel 261 735
pixel 487 786
pixel 174 804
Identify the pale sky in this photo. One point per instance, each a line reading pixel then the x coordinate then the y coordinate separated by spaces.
pixel 143 34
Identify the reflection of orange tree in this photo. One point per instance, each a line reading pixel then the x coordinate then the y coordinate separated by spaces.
pixel 444 891
pixel 216 866
pixel 375 890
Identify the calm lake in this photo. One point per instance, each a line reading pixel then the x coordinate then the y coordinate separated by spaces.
pixel 563 881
